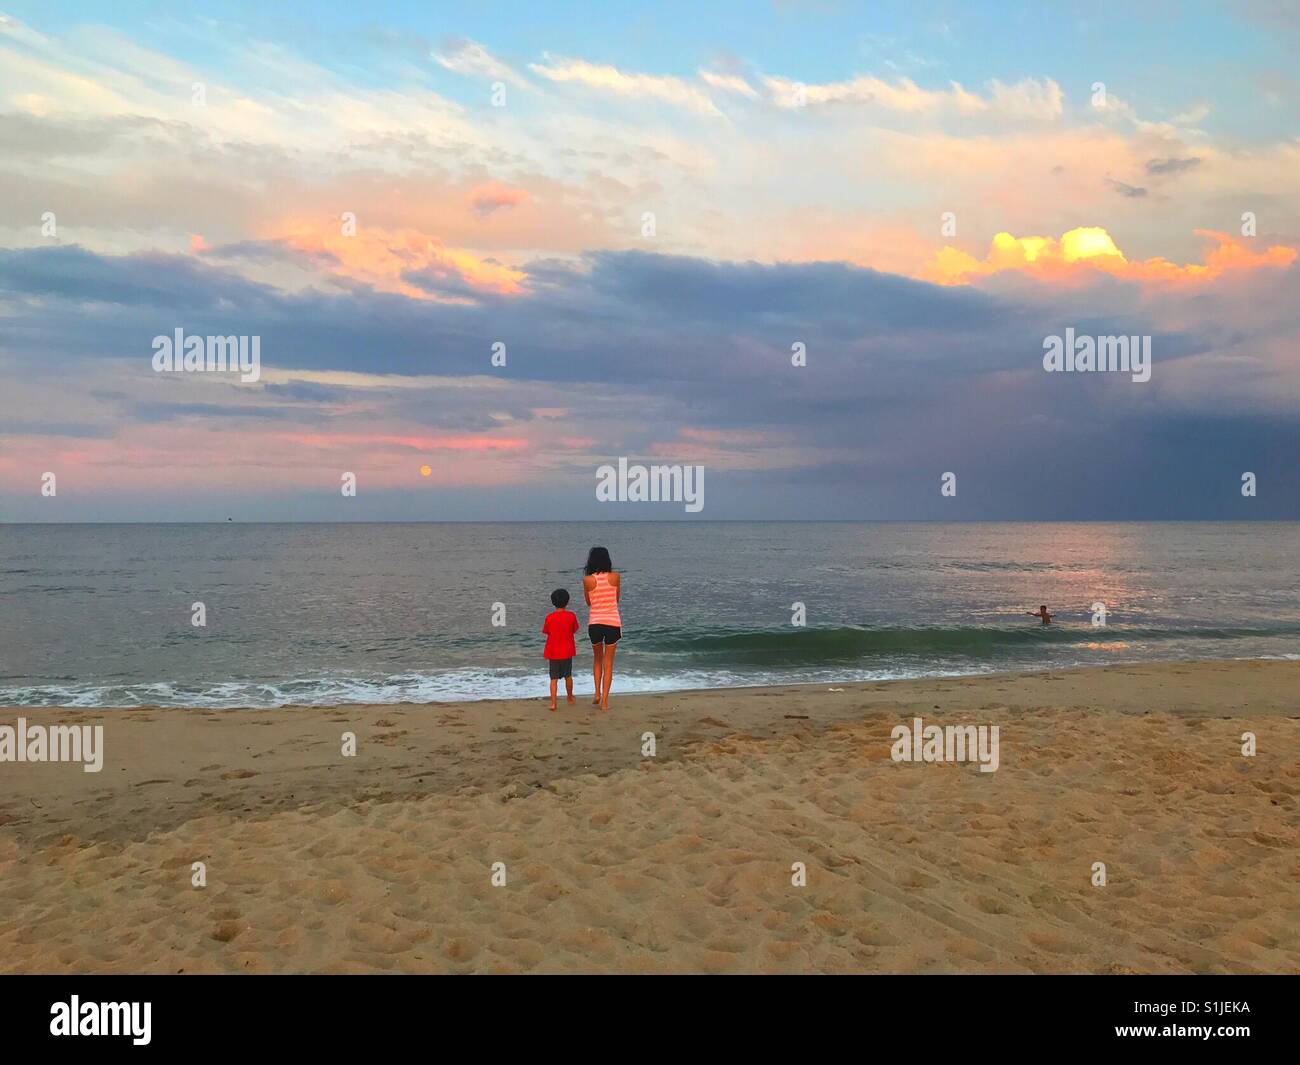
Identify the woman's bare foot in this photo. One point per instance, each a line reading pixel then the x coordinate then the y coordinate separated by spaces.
pixel 605 705
pixel 570 699
pixel 595 701
pixel 552 707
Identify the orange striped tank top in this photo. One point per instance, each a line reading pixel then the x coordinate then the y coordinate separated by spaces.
pixel 604 603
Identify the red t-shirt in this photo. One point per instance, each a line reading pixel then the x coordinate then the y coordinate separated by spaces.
pixel 559 626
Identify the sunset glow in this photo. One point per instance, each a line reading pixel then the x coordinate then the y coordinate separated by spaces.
pixel 1091 248
pixel 821 256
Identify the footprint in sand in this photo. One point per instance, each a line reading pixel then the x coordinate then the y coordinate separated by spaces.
pixel 1054 942
pixel 988 904
pixel 226 931
pixel 461 949
pixel 238 774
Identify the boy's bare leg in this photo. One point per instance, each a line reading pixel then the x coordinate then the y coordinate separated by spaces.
pixel 598 658
pixel 610 648
pixel 553 683
pixel 568 687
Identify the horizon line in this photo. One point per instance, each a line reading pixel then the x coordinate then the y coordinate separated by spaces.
pixel 699 521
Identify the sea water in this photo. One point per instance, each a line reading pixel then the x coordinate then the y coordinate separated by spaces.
pixel 101 615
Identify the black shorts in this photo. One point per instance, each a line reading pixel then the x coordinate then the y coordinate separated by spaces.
pixel 606 634
pixel 560 667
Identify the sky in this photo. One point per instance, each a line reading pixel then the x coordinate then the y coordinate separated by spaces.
pixel 814 248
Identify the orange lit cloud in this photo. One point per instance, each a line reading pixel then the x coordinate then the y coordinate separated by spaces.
pixel 382 257
pixel 1091 248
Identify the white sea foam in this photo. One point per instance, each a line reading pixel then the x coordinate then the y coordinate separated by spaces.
pixel 457 685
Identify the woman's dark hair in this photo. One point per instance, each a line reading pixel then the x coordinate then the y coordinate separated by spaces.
pixel 598 561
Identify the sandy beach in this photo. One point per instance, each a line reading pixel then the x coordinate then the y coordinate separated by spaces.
pixel 615 861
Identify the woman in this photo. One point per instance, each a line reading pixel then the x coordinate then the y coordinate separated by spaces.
pixel 601 587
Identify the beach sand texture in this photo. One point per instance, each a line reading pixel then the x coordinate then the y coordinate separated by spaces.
pixel 615 862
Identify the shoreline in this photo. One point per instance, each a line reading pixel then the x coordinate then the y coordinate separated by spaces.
pixel 317 862
pixel 648 692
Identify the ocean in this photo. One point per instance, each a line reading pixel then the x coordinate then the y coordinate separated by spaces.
pixel 101 615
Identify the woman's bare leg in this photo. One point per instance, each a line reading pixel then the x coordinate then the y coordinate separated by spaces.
pixel 610 648
pixel 598 658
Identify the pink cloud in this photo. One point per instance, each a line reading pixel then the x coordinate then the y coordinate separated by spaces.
pixel 485 199
pixel 204 457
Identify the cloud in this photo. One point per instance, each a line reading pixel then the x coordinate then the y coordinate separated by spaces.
pixel 1091 250
pixel 729 83
pixel 1029 98
pixel 97 73
pixel 520 225
pixel 493 196
pixel 146 279
pixel 609 80
pixel 1172 165
pixel 902 377
pixel 462 56
pixel 1194 114
pixel 1133 192
pixel 406 262
pixel 282 136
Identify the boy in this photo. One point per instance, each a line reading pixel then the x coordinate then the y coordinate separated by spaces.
pixel 559 627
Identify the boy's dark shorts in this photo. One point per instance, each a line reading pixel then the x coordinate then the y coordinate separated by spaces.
pixel 606 634
pixel 560 667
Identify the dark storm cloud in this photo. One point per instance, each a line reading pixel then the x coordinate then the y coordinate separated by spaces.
pixel 32 427
pixel 611 318
pixel 1172 165
pixel 165 412
pixel 71 273
pixel 847 299
pixel 904 380
pixel 308 392
pixel 1133 192
pixel 268 251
